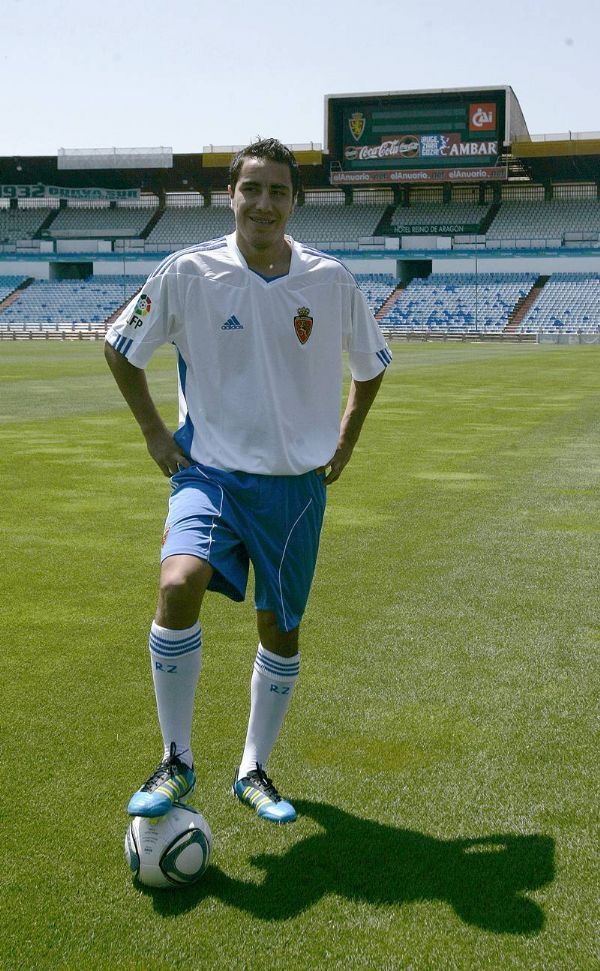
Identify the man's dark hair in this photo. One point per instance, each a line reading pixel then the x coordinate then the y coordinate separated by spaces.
pixel 269 148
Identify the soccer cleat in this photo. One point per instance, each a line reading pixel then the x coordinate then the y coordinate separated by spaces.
pixel 172 781
pixel 257 791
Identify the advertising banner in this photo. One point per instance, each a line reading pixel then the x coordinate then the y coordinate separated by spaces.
pixel 385 176
pixel 482 117
pixel 441 146
pixel 40 191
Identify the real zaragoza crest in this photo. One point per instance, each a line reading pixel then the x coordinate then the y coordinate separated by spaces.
pixel 357 123
pixel 303 324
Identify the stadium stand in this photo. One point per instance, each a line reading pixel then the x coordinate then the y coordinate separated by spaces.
pixel 491 304
pixel 94 300
pixel 334 222
pixel 72 302
pixel 16 224
pixel 80 222
pixel 561 220
pixel 569 303
pixel 8 284
pixel 311 224
pixel 556 218
pixel 186 225
pixel 376 287
pixel 455 303
pixel 428 217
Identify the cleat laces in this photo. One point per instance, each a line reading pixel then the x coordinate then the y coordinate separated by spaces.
pixel 168 768
pixel 259 777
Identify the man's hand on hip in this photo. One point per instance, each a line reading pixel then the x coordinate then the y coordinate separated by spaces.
pixel 165 451
pixel 336 465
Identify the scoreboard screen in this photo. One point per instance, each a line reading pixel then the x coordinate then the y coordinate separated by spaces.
pixel 419 137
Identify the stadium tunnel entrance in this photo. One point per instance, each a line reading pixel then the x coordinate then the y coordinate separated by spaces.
pixel 71 270
pixel 408 270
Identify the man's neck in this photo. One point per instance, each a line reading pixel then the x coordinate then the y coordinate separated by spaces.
pixel 274 261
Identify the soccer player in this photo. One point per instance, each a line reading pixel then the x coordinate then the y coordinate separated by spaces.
pixel 259 322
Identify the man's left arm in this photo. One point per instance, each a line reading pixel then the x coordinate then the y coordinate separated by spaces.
pixel 361 396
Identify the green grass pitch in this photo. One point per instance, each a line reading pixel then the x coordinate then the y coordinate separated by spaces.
pixel 442 746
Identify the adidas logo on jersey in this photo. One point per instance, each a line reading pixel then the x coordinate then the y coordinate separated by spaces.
pixel 232 324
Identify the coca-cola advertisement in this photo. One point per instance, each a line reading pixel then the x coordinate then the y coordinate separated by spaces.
pixel 409 147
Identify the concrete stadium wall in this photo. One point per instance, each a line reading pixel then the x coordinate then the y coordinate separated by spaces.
pixel 544 265
pixel 39 269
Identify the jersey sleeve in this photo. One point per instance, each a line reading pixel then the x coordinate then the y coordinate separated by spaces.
pixel 368 352
pixel 147 322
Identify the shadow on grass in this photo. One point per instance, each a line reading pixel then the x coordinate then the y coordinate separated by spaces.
pixel 485 880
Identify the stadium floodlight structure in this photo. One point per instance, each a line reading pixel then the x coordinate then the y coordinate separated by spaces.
pixel 115 158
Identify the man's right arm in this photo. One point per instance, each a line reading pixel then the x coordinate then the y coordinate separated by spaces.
pixel 133 386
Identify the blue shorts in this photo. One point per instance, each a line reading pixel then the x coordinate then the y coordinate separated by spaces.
pixel 233 518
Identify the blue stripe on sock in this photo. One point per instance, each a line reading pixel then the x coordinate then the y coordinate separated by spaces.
pixel 272 667
pixel 278 662
pixel 169 648
pixel 183 641
pixel 176 653
pixel 280 668
pixel 160 653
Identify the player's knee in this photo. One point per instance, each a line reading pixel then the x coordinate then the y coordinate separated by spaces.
pixel 282 642
pixel 182 585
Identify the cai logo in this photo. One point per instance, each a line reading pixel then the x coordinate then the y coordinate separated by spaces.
pixel 482 117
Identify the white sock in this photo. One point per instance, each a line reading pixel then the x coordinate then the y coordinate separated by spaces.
pixel 176 657
pixel 271 690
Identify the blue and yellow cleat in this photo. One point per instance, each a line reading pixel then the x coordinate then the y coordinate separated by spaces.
pixel 172 782
pixel 257 791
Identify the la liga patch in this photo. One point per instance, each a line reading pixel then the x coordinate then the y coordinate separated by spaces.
pixel 143 305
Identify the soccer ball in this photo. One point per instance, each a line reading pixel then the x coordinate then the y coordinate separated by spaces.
pixel 171 850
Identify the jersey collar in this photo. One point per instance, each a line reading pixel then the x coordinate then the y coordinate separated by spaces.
pixel 240 259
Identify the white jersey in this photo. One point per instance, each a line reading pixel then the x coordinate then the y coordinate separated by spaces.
pixel 260 361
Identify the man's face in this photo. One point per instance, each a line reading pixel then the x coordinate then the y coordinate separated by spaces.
pixel 262 202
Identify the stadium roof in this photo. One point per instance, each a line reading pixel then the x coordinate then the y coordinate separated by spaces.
pixel 569 157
